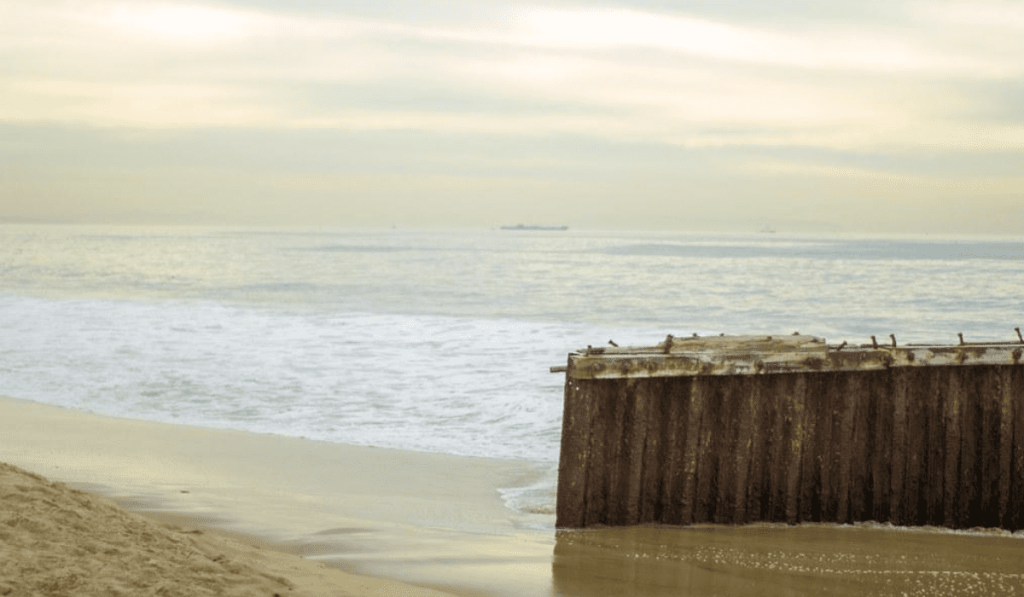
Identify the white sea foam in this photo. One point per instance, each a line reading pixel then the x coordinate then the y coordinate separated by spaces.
pixel 462 386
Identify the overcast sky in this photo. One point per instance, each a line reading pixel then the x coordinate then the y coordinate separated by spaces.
pixel 808 116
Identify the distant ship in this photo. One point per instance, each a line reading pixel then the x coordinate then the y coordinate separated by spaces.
pixel 525 227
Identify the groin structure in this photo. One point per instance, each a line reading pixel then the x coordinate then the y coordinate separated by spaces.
pixel 739 429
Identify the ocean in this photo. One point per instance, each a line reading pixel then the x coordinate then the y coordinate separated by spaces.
pixel 440 341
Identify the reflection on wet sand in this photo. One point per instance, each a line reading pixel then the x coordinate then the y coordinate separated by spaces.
pixel 773 560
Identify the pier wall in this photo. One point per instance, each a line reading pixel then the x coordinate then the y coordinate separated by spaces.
pixel 931 445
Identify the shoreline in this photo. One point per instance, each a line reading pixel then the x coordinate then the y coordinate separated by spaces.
pixel 55 539
pixel 426 519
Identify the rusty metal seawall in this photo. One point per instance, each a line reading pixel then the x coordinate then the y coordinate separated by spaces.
pixel 740 429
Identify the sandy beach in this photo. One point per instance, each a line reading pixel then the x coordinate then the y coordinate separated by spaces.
pixel 414 517
pixel 252 514
pixel 56 540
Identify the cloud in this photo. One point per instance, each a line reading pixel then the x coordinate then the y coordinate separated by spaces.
pixel 193 65
pixel 181 23
pixel 1005 16
pixel 621 99
pixel 831 49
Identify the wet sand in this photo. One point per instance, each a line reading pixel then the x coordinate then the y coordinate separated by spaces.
pixel 437 521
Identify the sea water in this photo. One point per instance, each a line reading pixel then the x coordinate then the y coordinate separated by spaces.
pixel 440 340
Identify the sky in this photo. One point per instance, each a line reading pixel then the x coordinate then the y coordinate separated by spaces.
pixel 804 116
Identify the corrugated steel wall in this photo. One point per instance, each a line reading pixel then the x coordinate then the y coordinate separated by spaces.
pixel 937 445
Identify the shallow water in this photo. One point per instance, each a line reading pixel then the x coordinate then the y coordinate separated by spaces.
pixel 786 562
